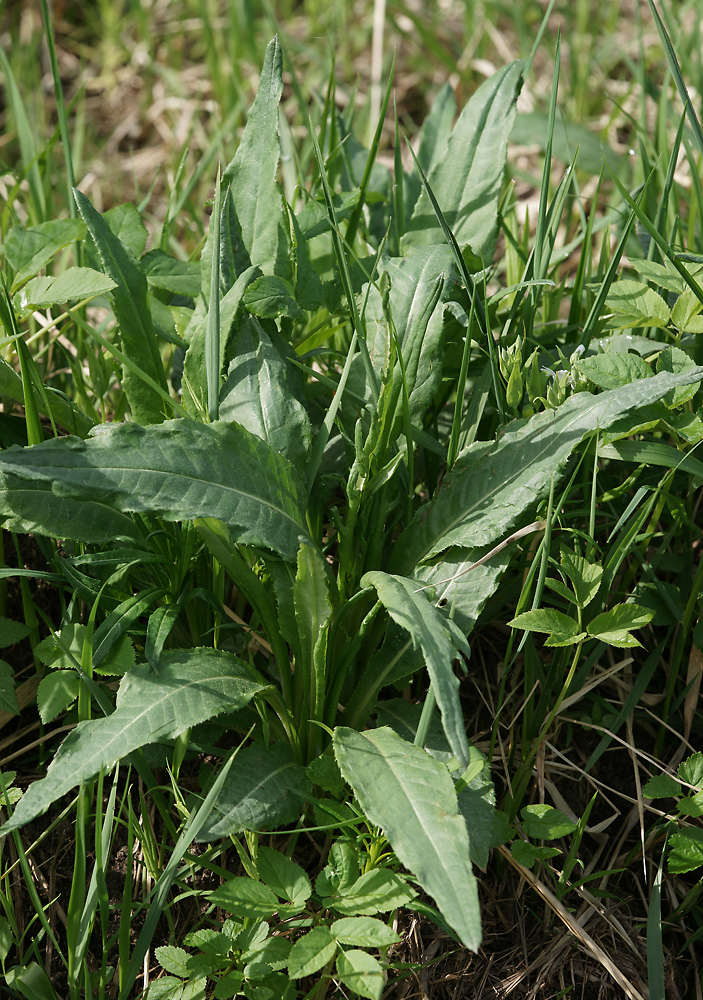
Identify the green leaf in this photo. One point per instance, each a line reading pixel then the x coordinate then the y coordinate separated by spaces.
pixel 686 313
pixel 495 484
pixel 543 822
pixel 361 973
pixel 180 277
pixel 408 605
pixel 477 799
pixel 193 685
pixel 342 869
pixel 691 770
pixel 132 314
pixel 584 577
pixel 31 981
pixel 377 891
pixel 324 772
pixel 245 898
pixel 274 952
pixel 364 932
pixel 127 225
pixel 283 876
pixel 311 953
pixel 636 305
pixel 477 805
pixel 412 798
pixel 263 391
pixel 467 180
pixel 527 854
pixel 194 367
pixel 256 197
pixel 461 587
pixel 63 650
pixel 692 805
pixel 166 988
pixel 270 296
pixel 653 453
pixel 313 608
pixel 675 360
pixel 229 986
pixel 8 697
pixel 12 632
pixel 545 620
pixel 178 469
pixel 29 250
pixel 568 138
pixel 664 275
pixel 56 692
pixel 614 626
pixel 32 506
pixel 609 371
pixel 661 786
pixel 262 792
pixel 75 283
pixel 431 144
pixel 420 286
pixel 173 960
pixel 686 852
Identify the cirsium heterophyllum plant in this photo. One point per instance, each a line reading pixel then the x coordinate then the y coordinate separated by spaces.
pixel 325 343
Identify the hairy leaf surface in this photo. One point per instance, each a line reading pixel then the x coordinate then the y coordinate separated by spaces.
pixel 402 789
pixel 256 197
pixel 494 484
pixel 262 792
pixel 468 179
pixel 192 685
pixel 179 469
pixel 477 801
pixel 31 505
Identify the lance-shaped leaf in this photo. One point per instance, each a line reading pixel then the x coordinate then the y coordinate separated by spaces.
pixel 179 469
pixel 264 791
pixel 32 506
pixel 468 178
pixel 458 593
pixel 192 685
pixel 411 796
pixel 256 197
pixel 431 144
pixel 263 391
pixel 440 643
pixel 477 801
pixel 495 484
pixel 132 313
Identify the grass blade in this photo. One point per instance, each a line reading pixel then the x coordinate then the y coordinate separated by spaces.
pixel 212 330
